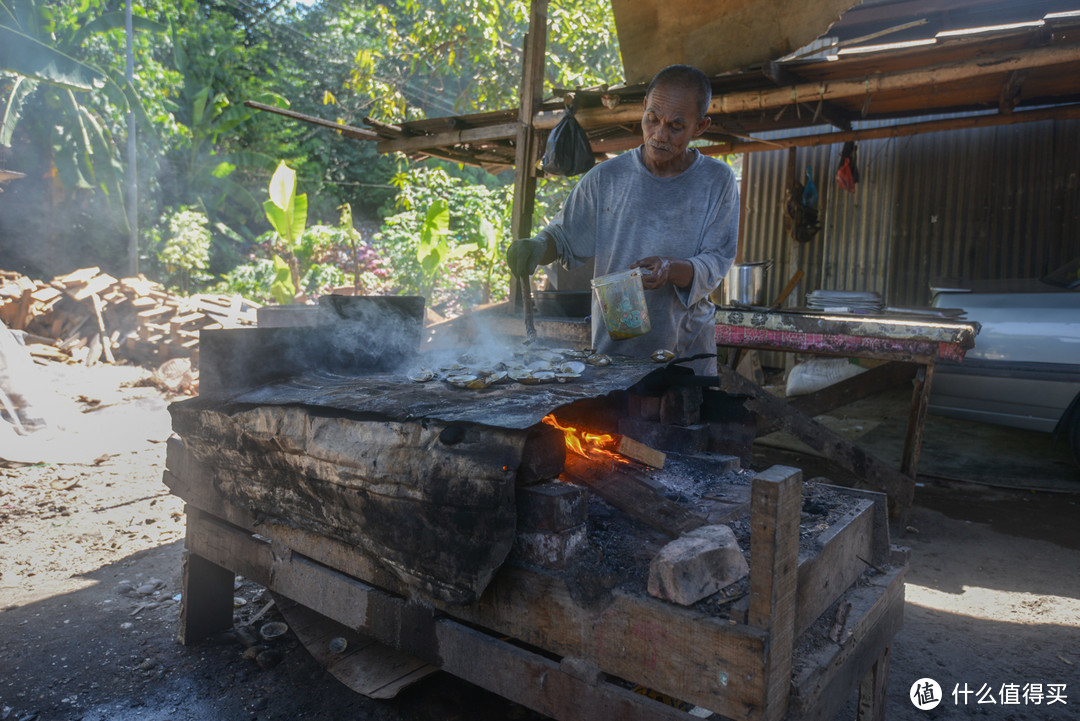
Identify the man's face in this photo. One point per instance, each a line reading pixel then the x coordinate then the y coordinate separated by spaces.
pixel 669 123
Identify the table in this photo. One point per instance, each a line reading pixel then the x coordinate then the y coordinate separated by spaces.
pixel 913 340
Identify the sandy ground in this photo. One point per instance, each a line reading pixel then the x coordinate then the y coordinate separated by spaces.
pixel 89 584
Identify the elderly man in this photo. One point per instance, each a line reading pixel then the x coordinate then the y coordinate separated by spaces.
pixel 663 207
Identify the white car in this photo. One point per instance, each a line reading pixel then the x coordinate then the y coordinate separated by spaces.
pixel 1024 370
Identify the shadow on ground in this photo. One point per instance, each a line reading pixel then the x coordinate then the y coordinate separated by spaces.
pixel 92 655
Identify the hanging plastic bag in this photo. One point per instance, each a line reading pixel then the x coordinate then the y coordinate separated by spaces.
pixel 810 192
pixel 568 151
pixel 848 174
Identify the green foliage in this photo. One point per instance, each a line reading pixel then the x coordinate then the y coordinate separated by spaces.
pixel 198 61
pixel 441 57
pixel 251 280
pixel 447 239
pixel 49 68
pixel 282 288
pixel 186 252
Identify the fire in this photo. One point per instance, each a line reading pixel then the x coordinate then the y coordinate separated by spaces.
pixel 597 446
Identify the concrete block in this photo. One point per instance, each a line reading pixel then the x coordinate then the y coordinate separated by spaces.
pixel 552 506
pixel 697 564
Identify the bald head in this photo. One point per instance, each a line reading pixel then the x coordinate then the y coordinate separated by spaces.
pixel 685 77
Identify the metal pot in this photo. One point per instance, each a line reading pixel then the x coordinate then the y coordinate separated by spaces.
pixel 744 284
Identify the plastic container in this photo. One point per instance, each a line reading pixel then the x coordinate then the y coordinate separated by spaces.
pixel 622 301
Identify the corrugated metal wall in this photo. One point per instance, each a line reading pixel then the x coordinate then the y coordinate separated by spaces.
pixel 998 202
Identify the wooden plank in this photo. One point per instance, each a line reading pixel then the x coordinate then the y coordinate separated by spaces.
pixel 471 654
pixel 636 498
pixel 881 543
pixel 877 474
pixel 676 651
pixel 829 675
pixel 640 452
pixel 77 277
pixel 106 343
pixel 874 688
pixel 775 510
pixel 206 603
pixel 94 286
pixel 366 666
pixel 826 574
pixel 837 395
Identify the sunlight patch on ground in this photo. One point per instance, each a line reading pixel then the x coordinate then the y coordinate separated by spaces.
pixel 991 604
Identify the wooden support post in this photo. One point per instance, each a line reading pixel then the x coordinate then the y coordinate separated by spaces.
pixel 528 145
pixel 873 688
pixel 206 604
pixel 775 508
pixel 869 468
pixel 920 403
pixel 864 385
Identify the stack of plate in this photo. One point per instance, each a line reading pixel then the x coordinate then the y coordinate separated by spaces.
pixel 845 301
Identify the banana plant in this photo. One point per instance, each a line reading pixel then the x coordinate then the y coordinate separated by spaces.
pixel 287 213
pixel 434 248
pixel 40 59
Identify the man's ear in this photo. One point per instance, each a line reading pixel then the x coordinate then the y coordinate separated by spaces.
pixel 702 125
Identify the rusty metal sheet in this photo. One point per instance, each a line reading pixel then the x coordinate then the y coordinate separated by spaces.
pixel 394 396
pixel 716 36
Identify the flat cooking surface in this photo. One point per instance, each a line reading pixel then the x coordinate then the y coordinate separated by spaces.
pixel 393 395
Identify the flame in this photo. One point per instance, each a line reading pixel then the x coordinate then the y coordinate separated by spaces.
pixel 597 446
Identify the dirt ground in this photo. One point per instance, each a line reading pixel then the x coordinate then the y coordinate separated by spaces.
pixel 90 583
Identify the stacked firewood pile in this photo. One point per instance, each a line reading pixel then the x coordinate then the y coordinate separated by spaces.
pixel 91 317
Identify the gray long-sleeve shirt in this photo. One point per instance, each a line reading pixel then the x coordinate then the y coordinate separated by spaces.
pixel 619 212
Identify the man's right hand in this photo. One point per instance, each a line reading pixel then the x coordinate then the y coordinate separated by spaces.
pixel 523 256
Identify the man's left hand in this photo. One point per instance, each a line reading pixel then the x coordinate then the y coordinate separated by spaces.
pixel 661 270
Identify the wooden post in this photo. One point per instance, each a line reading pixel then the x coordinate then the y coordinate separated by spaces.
pixel 920 402
pixel 775 509
pixel 872 690
pixel 528 146
pixel 206 603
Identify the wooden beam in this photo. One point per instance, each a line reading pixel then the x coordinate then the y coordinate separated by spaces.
pixel 870 469
pixel 484 133
pixel 866 384
pixel 1010 91
pixel 757 100
pixel 1067 112
pixel 775 509
pixel 920 404
pixel 350 131
pixel 833 114
pixel 528 146
pixel 623 490
pixel 811 92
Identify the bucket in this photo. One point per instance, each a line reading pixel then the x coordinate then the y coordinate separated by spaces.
pixel 744 284
pixel 622 301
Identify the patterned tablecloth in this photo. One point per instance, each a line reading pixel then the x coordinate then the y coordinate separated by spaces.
pixel 917 339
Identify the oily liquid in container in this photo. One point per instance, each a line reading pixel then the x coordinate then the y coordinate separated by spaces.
pixel 622 301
